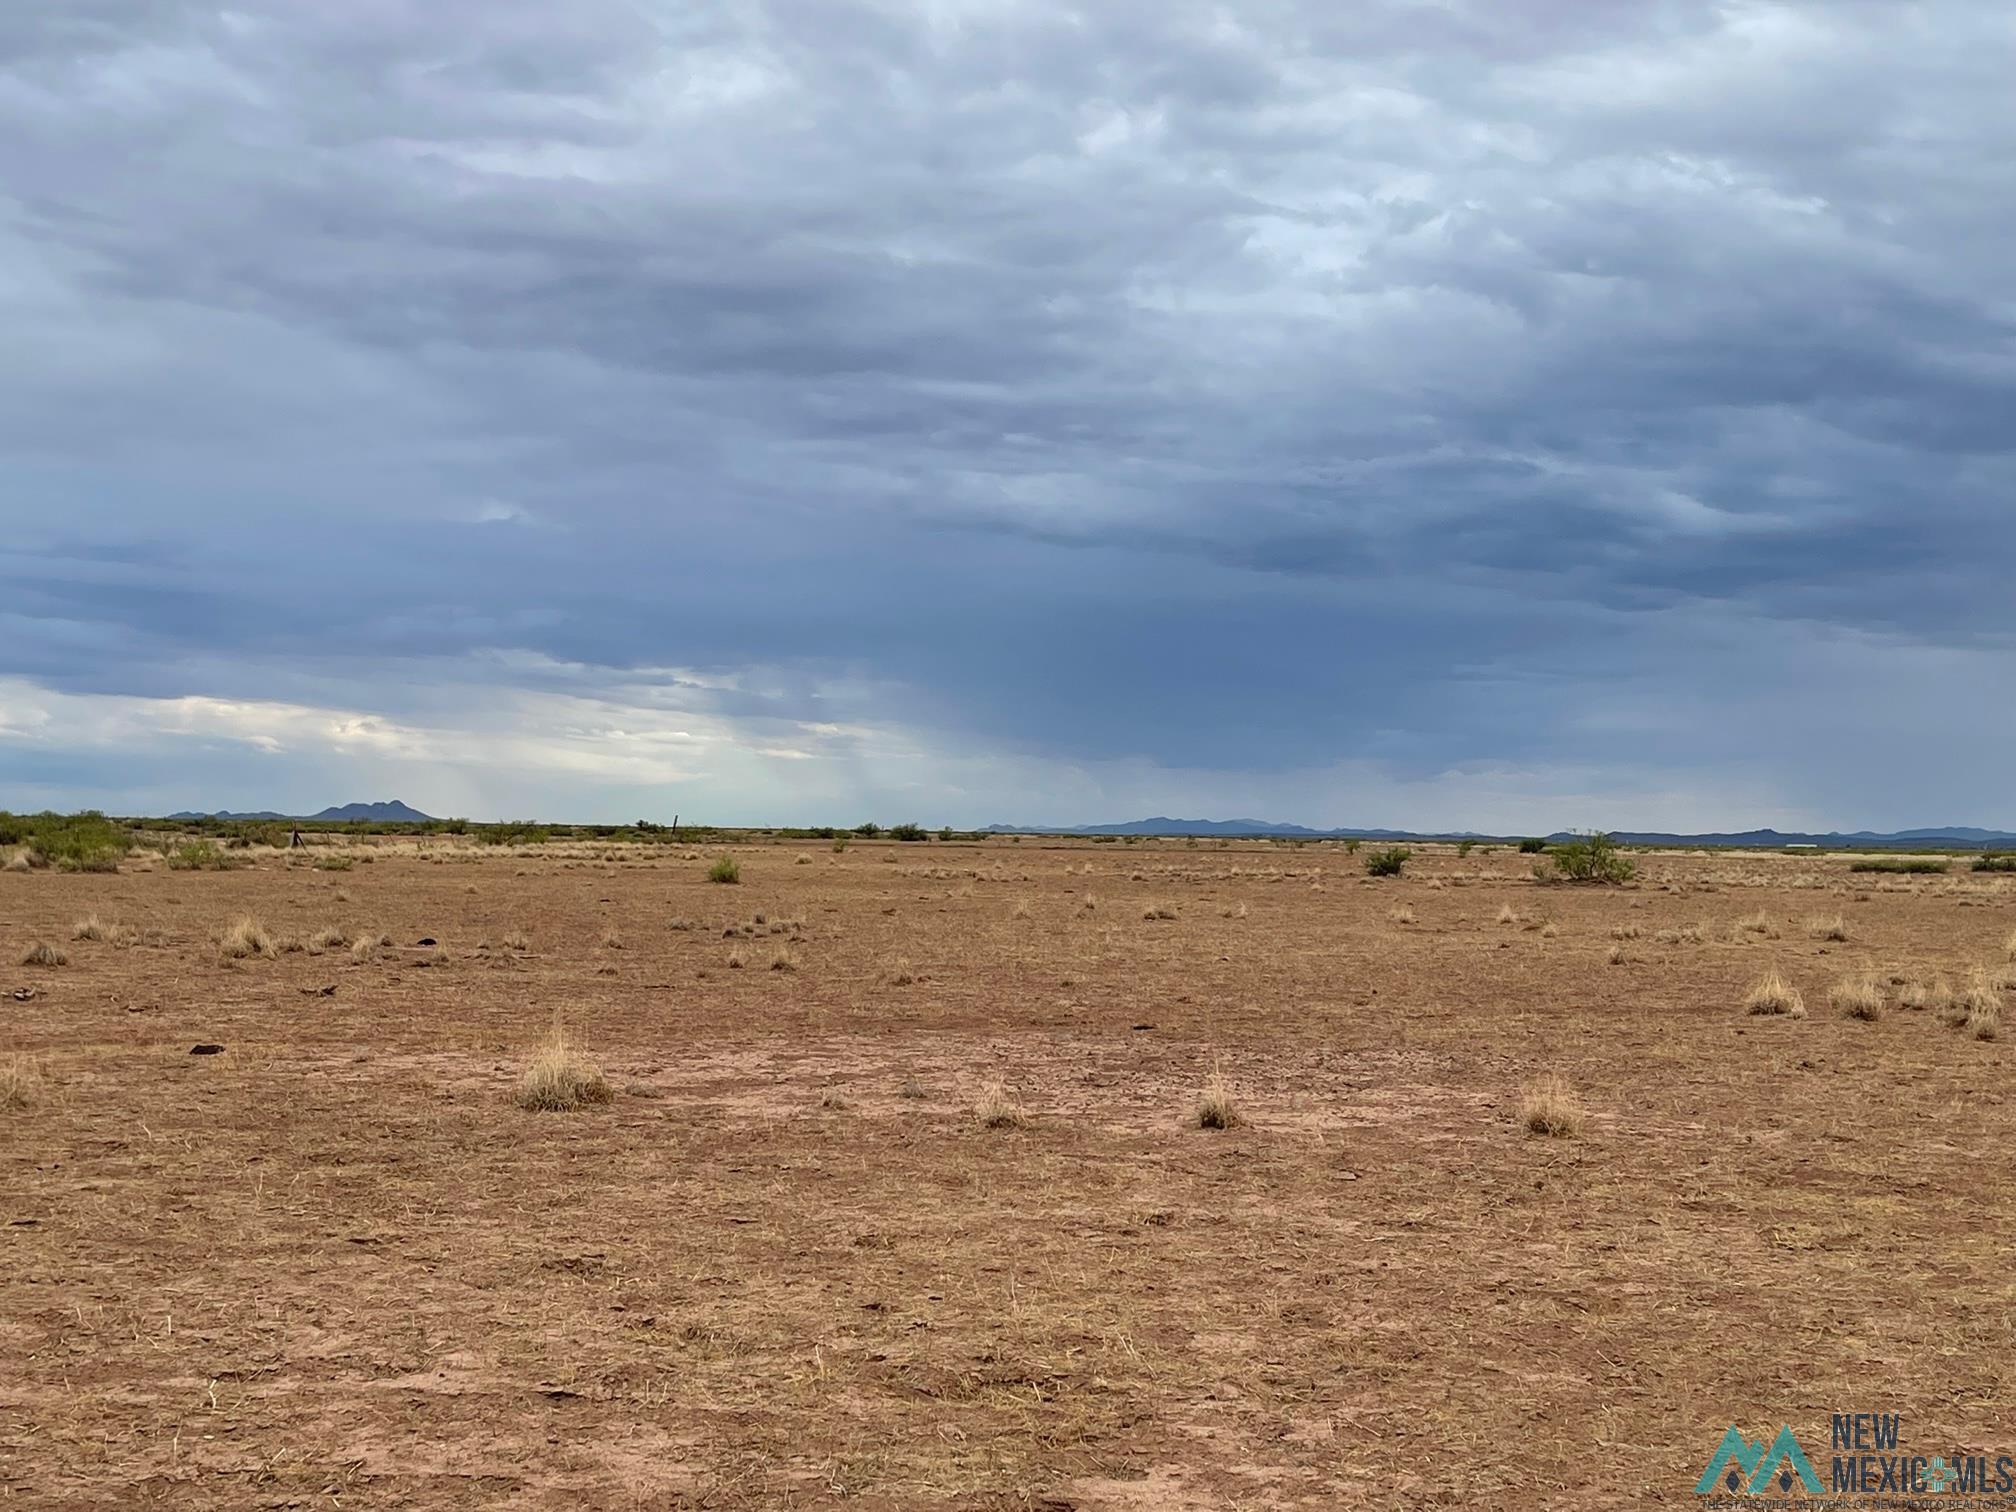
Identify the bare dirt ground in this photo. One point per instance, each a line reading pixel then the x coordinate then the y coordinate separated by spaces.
pixel 787 1266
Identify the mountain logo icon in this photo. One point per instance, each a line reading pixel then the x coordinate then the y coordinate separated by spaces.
pixel 1757 1468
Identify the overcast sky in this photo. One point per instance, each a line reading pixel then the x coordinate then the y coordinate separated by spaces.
pixel 1503 414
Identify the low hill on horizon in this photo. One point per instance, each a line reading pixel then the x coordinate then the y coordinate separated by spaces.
pixel 391 812
pixel 1946 838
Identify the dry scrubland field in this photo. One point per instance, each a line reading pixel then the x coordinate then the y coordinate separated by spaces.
pixel 790 1261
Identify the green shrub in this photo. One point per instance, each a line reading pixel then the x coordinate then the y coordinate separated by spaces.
pixel 517 833
pixel 1464 847
pixel 1995 864
pixel 869 830
pixel 1387 862
pixel 1531 847
pixel 1594 858
pixel 333 863
pixel 86 842
pixel 726 869
pixel 1913 865
pixel 907 832
pixel 198 855
pixel 1351 847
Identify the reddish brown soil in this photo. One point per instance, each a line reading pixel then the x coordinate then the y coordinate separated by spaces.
pixel 336 1266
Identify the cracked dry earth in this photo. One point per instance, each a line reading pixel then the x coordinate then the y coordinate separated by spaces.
pixel 786 1266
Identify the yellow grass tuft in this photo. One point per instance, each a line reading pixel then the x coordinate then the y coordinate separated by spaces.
pixel 1617 956
pixel 18 862
pixel 1507 914
pixel 1404 914
pixel 91 927
pixel 1550 1106
pixel 786 959
pixel 1757 923
pixel 1977 1009
pixel 560 1079
pixel 517 939
pixel 2009 946
pixel 998 1109
pixel 611 940
pixel 1772 994
pixel 20 1083
pixel 42 953
pixel 1823 928
pixel 364 951
pixel 1216 1108
pixel 900 974
pixel 246 937
pixel 329 937
pixel 1858 997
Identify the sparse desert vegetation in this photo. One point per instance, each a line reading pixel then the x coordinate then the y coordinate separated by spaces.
pixel 1552 1107
pixel 1771 995
pixel 963 1233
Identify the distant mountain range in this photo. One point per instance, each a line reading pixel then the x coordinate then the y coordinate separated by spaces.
pixel 1954 837
pixel 394 812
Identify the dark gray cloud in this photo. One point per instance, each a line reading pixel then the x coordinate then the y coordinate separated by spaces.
pixel 1298 403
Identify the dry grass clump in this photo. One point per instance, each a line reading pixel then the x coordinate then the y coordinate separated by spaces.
pixel 1216 1108
pixel 1159 911
pixel 1617 956
pixel 517 939
pixel 997 1108
pixel 1404 914
pixel 18 862
pixel 91 927
pixel 1977 1008
pixel 1626 932
pixel 611 940
pixel 900 974
pixel 1938 997
pixel 1772 994
pixel 2009 946
pixel 1687 934
pixel 1858 997
pixel 735 961
pixel 681 925
pixel 786 959
pixel 1021 909
pixel 328 937
pixel 20 1083
pixel 364 951
pixel 1757 923
pixel 1507 914
pixel 1550 1106
pixel 1550 930
pixel 804 859
pixel 246 937
pixel 726 870
pixel 1823 928
pixel 560 1079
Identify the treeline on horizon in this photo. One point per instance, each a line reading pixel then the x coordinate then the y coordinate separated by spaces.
pixel 93 841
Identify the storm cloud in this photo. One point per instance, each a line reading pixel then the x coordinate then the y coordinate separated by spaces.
pixel 1474 414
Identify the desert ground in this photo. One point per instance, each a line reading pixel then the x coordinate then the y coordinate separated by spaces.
pixel 791 1262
